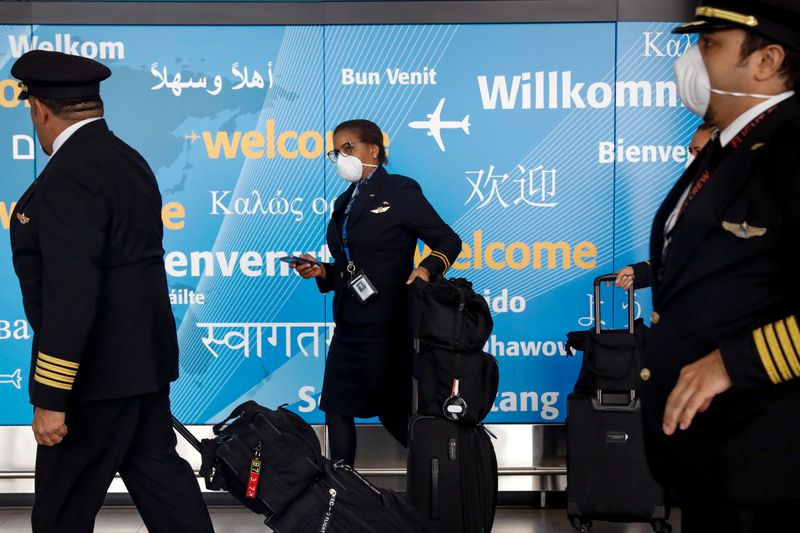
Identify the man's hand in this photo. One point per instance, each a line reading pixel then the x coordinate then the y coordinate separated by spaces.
pixel 48 426
pixel 307 271
pixel 421 273
pixel 624 278
pixel 697 385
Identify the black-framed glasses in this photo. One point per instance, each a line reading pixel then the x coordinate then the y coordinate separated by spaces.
pixel 347 149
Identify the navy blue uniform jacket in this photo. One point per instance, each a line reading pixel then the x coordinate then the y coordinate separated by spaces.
pixel 368 370
pixel 730 282
pixel 86 239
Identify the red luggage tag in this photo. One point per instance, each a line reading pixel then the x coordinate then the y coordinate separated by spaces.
pixel 255 473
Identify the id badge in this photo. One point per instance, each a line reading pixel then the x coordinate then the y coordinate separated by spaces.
pixel 362 287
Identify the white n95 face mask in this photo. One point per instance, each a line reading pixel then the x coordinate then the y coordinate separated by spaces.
pixel 694 86
pixel 350 167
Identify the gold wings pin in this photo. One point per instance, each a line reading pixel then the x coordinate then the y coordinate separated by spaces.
pixel 744 230
pixel 382 209
pixel 22 218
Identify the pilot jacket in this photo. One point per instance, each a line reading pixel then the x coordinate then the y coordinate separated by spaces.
pixel 368 370
pixel 86 241
pixel 729 280
pixel 87 249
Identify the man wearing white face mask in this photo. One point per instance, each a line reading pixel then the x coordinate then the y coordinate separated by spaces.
pixel 722 392
pixel 372 236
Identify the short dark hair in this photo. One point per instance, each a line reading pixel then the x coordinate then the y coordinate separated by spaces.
pixel 68 109
pixel 369 132
pixel 790 69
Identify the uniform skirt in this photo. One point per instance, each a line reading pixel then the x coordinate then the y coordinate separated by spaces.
pixel 368 369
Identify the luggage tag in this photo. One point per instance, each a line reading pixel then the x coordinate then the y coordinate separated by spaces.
pixel 360 285
pixel 255 473
pixel 455 406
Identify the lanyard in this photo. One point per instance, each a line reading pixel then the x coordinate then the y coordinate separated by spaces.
pixel 345 246
pixel 347 209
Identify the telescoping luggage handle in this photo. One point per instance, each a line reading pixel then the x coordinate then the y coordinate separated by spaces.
pixel 597 322
pixel 599 280
pixel 185 433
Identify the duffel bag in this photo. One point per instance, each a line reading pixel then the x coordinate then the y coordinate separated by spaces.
pixel 265 458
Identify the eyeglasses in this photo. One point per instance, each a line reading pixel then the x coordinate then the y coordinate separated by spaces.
pixel 347 150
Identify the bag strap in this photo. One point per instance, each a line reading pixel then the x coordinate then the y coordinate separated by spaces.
pixel 235 413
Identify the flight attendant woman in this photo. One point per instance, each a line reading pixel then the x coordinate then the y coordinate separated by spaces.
pixel 372 235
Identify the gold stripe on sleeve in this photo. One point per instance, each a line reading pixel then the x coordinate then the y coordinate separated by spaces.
pixel 57 361
pixel 51 383
pixel 788 349
pixel 763 353
pixel 777 353
pixel 443 258
pixel 56 368
pixel 794 331
pixel 53 375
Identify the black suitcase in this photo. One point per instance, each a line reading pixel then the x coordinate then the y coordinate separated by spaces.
pixel 608 477
pixel 342 501
pixel 452 474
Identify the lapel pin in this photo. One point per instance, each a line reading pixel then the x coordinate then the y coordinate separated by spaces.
pixel 744 230
pixel 757 146
pixel 22 218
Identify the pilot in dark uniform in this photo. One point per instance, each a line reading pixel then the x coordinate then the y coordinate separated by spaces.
pixel 374 230
pixel 722 394
pixel 87 248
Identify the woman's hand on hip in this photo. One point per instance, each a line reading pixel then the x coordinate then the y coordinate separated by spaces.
pixel 421 273
pixel 308 271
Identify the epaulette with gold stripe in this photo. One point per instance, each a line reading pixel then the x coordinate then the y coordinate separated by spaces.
pixel 778 346
pixel 55 372
pixel 443 258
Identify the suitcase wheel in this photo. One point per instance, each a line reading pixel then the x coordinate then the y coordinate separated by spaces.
pixel 661 526
pixel 580 525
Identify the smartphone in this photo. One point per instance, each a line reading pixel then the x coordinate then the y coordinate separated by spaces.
pixel 296 260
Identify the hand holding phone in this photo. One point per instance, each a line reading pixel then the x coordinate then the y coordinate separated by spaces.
pixel 295 260
pixel 305 265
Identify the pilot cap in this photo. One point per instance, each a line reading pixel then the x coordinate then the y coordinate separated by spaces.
pixel 777 20
pixel 58 76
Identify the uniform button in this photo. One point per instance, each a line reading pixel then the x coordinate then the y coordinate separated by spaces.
pixel 645 374
pixel 655 318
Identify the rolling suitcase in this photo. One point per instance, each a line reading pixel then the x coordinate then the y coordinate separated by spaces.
pixel 608 477
pixel 343 501
pixel 452 474
pixel 270 461
pixel 452 466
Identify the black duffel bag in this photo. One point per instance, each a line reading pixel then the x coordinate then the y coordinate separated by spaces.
pixel 435 369
pixel 612 358
pixel 279 444
pixel 447 313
